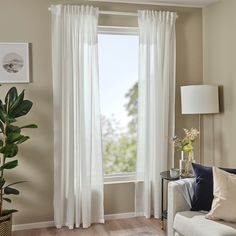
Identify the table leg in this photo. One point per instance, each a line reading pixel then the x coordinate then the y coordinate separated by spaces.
pixel 162 218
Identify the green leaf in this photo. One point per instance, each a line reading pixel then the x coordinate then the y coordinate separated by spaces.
pixel 11 96
pixel 9 190
pixel 1 126
pixel 9 119
pixel 2 116
pixel 12 128
pixel 17 129
pixel 14 136
pixel 22 109
pixel 9 150
pixel 19 182
pixel 1 105
pixel 18 101
pixel 2 182
pixel 22 140
pixel 9 165
pixel 7 199
pixel 8 212
pixel 33 126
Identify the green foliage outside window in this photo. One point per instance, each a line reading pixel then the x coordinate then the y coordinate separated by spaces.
pixel 120 145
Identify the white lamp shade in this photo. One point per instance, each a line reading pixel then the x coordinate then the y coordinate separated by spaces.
pixel 199 99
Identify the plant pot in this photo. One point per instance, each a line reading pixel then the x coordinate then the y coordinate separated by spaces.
pixel 5 225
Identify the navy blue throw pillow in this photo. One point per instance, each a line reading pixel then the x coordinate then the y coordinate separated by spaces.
pixel 203 194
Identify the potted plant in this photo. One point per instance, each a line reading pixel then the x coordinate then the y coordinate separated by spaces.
pixel 11 137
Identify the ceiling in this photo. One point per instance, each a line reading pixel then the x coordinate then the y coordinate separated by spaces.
pixel 187 3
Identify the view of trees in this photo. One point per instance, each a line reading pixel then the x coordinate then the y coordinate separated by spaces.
pixel 119 144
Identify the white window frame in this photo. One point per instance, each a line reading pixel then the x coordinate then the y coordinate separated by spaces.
pixel 125 177
pixel 120 178
pixel 118 30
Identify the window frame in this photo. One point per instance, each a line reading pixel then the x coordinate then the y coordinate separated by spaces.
pixel 118 30
pixel 124 177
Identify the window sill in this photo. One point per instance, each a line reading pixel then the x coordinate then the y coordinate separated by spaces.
pixel 120 182
pixel 120 178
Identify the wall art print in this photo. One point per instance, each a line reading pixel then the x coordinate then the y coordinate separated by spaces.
pixel 14 63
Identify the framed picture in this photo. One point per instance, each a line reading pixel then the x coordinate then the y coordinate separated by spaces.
pixel 14 63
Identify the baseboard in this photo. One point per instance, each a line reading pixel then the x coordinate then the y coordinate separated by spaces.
pixel 122 216
pixel 38 225
pixel 47 224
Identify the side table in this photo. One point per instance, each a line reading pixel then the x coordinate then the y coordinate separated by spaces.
pixel 165 175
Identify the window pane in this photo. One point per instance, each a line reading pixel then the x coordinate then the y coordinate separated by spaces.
pixel 118 69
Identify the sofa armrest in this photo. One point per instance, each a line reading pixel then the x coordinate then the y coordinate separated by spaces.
pixel 180 195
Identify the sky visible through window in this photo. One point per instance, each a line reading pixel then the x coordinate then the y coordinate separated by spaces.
pixel 118 74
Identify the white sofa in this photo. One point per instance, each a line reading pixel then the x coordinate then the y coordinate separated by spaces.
pixel 183 222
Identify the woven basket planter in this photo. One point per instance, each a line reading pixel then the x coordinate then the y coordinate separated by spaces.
pixel 5 225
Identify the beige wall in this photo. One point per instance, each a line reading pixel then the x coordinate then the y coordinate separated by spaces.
pixel 220 68
pixel 29 21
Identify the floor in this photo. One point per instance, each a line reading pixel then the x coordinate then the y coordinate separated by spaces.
pixel 126 227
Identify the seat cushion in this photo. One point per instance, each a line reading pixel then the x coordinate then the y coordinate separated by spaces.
pixel 192 223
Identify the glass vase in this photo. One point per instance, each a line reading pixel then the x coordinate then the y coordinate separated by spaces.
pixel 185 165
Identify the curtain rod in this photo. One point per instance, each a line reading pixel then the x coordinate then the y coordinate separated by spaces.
pixel 117 13
pixel 120 13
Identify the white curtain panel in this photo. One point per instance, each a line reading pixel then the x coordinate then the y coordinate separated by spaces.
pixel 78 172
pixel 156 107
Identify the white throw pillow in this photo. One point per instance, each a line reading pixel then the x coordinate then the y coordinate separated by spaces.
pixel 224 202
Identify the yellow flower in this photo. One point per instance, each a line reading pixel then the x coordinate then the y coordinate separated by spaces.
pixel 188 148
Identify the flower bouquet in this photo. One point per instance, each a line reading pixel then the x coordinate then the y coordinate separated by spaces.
pixel 186 145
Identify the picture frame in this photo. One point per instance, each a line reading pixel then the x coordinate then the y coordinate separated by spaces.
pixel 14 63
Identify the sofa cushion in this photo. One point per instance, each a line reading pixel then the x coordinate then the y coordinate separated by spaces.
pixel 192 223
pixel 224 203
pixel 203 194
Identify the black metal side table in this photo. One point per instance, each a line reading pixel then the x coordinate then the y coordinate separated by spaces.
pixel 165 175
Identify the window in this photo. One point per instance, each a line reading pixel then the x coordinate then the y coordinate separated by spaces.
pixel 118 69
